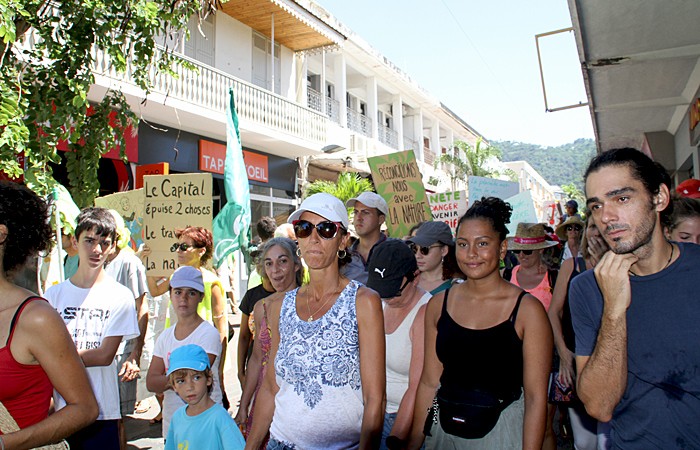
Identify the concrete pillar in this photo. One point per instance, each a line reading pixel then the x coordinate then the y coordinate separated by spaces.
pixel 371 88
pixel 341 87
pixel 397 110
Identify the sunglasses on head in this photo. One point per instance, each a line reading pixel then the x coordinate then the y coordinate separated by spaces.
pixel 525 252
pixel 180 246
pixel 423 250
pixel 326 229
pixel 574 227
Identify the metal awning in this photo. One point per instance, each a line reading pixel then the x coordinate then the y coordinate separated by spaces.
pixel 641 65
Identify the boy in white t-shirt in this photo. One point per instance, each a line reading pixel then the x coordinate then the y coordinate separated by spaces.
pixel 186 291
pixel 99 313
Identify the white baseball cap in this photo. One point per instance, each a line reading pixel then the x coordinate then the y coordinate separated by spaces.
pixel 326 206
pixel 370 199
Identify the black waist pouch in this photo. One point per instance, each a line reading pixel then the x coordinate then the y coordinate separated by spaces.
pixel 471 414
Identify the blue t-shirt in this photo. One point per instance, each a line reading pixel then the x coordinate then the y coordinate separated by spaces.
pixel 660 407
pixel 213 429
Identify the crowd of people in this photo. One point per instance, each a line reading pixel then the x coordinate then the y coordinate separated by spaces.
pixel 475 339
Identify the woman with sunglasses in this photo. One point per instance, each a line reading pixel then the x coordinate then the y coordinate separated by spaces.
pixel 593 246
pixel 37 354
pixel 194 247
pixel 571 232
pixel 433 246
pixel 281 268
pixel 488 349
pixel 328 384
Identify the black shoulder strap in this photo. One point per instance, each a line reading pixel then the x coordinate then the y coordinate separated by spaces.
pixel 16 316
pixel 514 314
pixel 444 300
pixel 580 264
pixel 552 277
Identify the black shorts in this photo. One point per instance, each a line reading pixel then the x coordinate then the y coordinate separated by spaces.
pixel 102 434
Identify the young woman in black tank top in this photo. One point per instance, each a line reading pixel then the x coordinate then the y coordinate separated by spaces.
pixel 486 335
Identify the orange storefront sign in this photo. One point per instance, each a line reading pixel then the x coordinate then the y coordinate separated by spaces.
pixel 150 169
pixel 212 157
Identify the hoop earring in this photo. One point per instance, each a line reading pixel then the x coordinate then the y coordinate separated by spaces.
pixel 342 254
pixel 299 252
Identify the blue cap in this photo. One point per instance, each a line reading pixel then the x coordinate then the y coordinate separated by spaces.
pixel 187 277
pixel 188 356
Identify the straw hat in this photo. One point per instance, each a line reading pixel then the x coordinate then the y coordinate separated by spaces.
pixel 529 236
pixel 573 220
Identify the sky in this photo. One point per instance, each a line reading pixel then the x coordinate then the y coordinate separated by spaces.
pixel 479 58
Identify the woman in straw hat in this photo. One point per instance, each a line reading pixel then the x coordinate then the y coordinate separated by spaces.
pixel 488 348
pixel 38 355
pixel 571 232
pixel 328 385
pixel 531 273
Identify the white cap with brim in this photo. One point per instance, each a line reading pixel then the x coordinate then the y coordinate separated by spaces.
pixel 187 277
pixel 326 206
pixel 370 199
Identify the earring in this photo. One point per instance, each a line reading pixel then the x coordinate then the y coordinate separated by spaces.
pixel 299 252
pixel 342 254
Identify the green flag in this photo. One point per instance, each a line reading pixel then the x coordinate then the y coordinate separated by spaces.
pixel 232 224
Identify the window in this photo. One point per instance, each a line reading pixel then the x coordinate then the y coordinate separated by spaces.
pixel 200 45
pixel 262 64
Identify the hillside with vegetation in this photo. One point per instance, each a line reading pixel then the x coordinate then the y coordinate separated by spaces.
pixel 558 165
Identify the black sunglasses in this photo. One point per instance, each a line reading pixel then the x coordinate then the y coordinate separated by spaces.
pixel 525 252
pixel 574 227
pixel 423 250
pixel 325 229
pixel 179 246
pixel 409 277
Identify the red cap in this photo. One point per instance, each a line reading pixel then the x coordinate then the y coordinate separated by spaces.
pixel 690 188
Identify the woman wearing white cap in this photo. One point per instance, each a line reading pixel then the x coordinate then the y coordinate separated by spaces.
pixel 327 389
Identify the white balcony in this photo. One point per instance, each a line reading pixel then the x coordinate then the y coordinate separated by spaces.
pixel 207 88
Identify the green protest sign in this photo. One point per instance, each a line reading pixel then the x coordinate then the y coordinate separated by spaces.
pixel 398 180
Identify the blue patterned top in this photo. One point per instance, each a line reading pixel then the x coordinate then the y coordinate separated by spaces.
pixel 319 404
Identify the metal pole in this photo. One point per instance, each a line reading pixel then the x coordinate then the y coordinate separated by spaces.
pixel 272 47
pixel 59 241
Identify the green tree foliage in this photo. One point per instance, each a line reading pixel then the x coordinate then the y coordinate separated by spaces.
pixel 559 165
pixel 48 50
pixel 469 160
pixel 574 193
pixel 348 185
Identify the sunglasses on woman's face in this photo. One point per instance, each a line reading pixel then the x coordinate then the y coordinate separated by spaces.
pixel 325 229
pixel 573 227
pixel 423 250
pixel 524 252
pixel 181 246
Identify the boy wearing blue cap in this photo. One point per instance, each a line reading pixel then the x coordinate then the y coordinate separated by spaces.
pixel 202 424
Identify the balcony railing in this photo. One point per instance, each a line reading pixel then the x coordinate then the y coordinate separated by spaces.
pixel 389 137
pixel 410 144
pixel 208 88
pixel 360 123
pixel 315 102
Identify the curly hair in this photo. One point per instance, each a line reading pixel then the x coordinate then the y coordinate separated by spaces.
pixel 201 237
pixel 493 209
pixel 289 247
pixel 26 216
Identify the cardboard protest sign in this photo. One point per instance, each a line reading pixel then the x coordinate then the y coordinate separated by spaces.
pixel 129 205
pixel 448 207
pixel 171 202
pixel 491 187
pixel 523 211
pixel 398 180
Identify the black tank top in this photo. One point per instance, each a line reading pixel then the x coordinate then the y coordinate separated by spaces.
pixel 489 360
pixel 567 328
